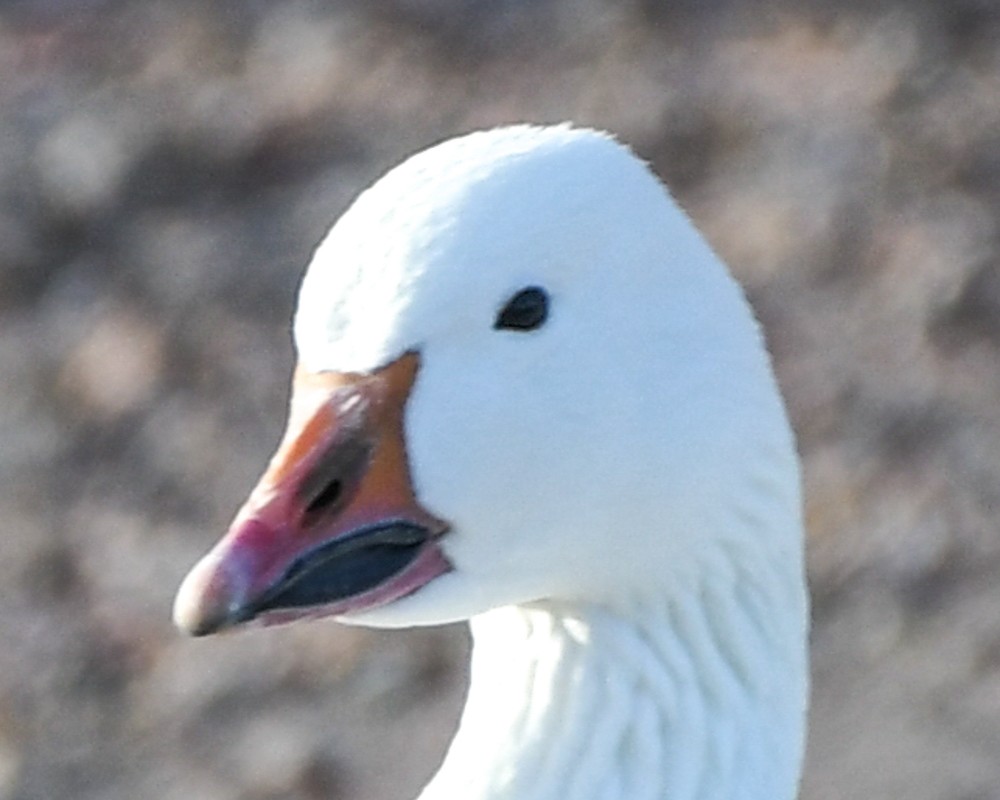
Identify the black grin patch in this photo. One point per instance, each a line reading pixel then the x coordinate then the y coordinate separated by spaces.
pixel 344 567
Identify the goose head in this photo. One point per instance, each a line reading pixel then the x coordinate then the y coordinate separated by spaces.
pixel 523 377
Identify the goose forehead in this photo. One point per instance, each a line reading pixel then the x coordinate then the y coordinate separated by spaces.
pixel 455 228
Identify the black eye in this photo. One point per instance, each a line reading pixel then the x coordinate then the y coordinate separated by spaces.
pixel 525 311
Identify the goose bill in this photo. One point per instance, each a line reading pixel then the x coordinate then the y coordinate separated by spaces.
pixel 333 526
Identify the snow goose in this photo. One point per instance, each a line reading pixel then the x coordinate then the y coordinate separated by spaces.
pixel 529 395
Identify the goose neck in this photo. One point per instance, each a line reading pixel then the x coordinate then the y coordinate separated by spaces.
pixel 673 702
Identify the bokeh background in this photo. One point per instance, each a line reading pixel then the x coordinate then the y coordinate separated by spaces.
pixel 165 171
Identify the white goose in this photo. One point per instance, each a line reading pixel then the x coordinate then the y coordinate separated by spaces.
pixel 530 395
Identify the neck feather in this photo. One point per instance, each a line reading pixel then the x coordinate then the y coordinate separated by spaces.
pixel 695 700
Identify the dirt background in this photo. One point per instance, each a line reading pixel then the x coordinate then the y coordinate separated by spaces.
pixel 166 169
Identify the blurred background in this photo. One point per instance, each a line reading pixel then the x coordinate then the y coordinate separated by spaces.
pixel 165 171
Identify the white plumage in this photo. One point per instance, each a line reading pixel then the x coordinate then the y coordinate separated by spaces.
pixel 620 486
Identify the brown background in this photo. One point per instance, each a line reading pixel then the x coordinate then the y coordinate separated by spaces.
pixel 166 169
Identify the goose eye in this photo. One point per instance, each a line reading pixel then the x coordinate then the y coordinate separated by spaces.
pixel 525 311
